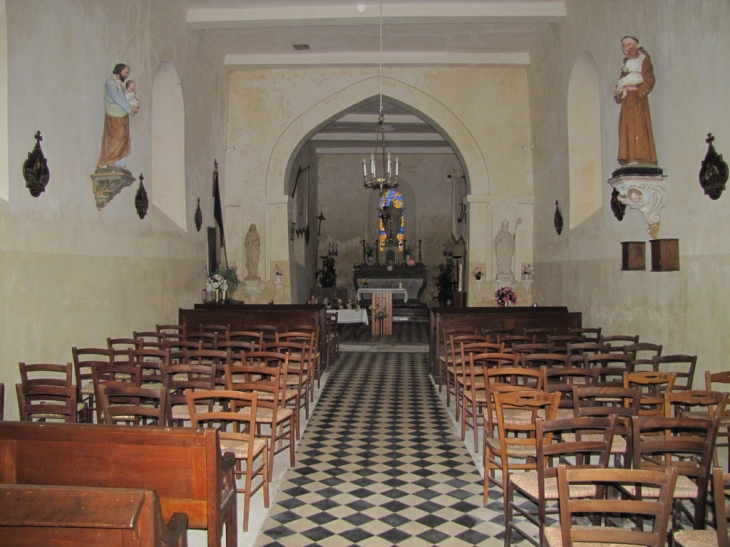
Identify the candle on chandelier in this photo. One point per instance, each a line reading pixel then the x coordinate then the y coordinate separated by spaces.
pixel 372 164
pixel 388 163
pixel 396 166
pixel 364 168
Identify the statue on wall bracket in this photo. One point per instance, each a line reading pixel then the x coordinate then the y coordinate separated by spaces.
pixel 714 171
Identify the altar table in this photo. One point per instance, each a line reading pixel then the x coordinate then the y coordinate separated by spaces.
pixel 351 316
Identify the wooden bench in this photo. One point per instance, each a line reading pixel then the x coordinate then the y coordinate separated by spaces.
pixel 515 318
pixel 184 466
pixel 61 516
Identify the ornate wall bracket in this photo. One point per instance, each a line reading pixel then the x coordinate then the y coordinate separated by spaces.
pixel 107 182
pixel 645 193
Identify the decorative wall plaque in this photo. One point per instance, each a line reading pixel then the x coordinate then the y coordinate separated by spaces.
pixel 714 171
pixel 35 169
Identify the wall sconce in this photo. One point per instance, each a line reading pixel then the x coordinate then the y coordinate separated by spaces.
pixel 198 217
pixel 558 219
pixel 141 202
pixel 35 169
pixel 714 171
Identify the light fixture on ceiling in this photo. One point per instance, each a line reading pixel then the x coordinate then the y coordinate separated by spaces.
pixel 389 174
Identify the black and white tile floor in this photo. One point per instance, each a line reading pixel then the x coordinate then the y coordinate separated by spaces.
pixel 380 461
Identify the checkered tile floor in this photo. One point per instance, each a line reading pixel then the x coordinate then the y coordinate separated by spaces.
pixel 380 463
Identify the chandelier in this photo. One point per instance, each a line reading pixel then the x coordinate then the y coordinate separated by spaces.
pixel 388 177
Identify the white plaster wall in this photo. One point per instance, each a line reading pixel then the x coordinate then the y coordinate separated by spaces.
pixel 273 113
pixel 685 310
pixel 72 275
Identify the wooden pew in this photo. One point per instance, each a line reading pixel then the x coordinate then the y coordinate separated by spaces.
pixel 516 318
pixel 184 466
pixel 60 516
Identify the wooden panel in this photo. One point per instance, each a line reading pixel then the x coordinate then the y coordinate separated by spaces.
pixel 633 255
pixel 664 255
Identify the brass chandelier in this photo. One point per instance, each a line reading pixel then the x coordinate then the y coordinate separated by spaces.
pixel 388 177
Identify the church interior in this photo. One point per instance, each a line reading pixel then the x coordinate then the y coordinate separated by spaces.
pixel 501 114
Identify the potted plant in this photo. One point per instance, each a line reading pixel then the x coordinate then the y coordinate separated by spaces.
pixel 328 274
pixel 445 283
pixel 223 281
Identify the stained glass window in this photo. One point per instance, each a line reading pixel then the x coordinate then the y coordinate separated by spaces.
pixel 392 218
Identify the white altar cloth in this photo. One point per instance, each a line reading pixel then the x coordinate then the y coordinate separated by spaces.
pixel 351 316
pixel 404 292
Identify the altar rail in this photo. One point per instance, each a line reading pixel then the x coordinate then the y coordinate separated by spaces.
pixel 515 318
pixel 244 316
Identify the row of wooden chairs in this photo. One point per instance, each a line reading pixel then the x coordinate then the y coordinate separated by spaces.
pixel 524 450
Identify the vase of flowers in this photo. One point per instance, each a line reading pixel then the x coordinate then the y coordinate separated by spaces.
pixel 379 314
pixel 222 282
pixel 478 273
pixel 527 271
pixel 504 296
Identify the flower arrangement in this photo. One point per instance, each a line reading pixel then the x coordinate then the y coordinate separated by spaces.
pixel 504 295
pixel 365 282
pixel 378 312
pixel 279 270
pixel 477 273
pixel 527 269
pixel 223 279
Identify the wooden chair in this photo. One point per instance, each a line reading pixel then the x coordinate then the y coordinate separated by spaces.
pixel 502 375
pixel 42 403
pixel 561 341
pixel 651 386
pixel 180 377
pixel 125 404
pixel 151 362
pixel 540 487
pixel 236 426
pixel 539 334
pixel 300 374
pixel 120 347
pixel 469 402
pixel 579 350
pixel 684 443
pixel 268 332
pixel 516 445
pixel 254 337
pixel 710 538
pixel 493 334
pixel 609 367
pixel 510 340
pixel 535 347
pixel 713 381
pixel 84 360
pixel 617 341
pixel 150 339
pixel 608 401
pixel 102 373
pixel 603 507
pixel 682 365
pixel 205 357
pixel 179 347
pixel 589 334
pixel 562 380
pixel 172 332
pixel 446 355
pixel 644 352
pixel 220 329
pixel 453 365
pixel 539 360
pixel 206 339
pixel 35 378
pixel 269 383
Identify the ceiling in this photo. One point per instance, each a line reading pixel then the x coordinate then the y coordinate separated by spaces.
pixel 264 33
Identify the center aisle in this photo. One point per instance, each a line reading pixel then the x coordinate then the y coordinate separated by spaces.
pixel 380 464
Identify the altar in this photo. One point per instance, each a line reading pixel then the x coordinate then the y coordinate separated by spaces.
pixel 412 279
pixel 382 301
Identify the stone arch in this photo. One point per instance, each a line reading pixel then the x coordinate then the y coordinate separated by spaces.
pixel 168 144
pixel 301 129
pixel 584 141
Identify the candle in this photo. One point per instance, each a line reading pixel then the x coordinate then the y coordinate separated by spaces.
pixel 396 166
pixel 372 164
pixel 389 163
pixel 364 168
